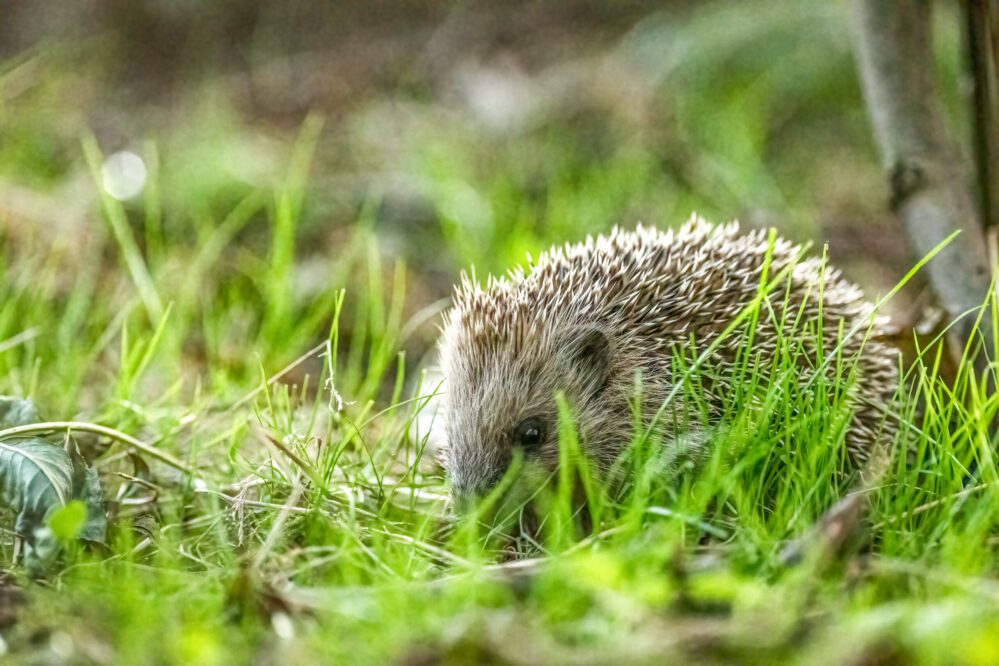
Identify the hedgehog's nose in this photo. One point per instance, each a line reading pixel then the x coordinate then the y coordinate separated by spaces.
pixel 463 503
pixel 466 495
pixel 462 497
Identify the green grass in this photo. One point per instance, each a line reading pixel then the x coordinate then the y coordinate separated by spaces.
pixel 313 533
pixel 223 317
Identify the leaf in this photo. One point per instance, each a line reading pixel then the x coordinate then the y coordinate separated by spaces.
pixel 17 412
pixel 35 475
pixel 36 478
pixel 56 496
pixel 87 488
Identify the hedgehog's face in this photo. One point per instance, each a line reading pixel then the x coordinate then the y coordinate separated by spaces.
pixel 500 399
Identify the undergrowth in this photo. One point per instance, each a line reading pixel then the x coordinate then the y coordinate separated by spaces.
pixel 297 512
pixel 285 505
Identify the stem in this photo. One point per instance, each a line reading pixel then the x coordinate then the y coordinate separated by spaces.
pixel 981 28
pixel 117 435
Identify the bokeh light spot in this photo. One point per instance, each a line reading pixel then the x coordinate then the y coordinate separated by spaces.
pixel 124 175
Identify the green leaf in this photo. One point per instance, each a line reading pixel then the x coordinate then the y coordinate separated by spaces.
pixel 67 522
pixel 87 488
pixel 39 481
pixel 36 478
pixel 17 412
pixel 56 496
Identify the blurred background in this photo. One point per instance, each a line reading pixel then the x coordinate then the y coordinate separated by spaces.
pixel 263 155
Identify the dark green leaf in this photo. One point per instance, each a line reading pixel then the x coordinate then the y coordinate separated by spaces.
pixel 87 488
pixel 17 412
pixel 36 478
pixel 56 496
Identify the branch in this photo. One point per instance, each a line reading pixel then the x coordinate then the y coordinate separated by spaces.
pixel 982 37
pixel 930 185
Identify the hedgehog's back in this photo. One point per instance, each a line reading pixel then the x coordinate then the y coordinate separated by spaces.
pixel 655 293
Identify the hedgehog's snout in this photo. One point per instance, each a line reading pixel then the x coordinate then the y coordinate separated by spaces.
pixel 464 500
pixel 470 486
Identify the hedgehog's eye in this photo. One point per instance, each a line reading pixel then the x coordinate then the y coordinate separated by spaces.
pixel 529 433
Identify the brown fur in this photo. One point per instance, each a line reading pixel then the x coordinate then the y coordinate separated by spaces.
pixel 585 319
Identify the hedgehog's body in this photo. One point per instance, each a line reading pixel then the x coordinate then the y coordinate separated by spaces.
pixel 586 320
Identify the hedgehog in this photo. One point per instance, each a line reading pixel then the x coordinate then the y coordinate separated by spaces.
pixel 593 320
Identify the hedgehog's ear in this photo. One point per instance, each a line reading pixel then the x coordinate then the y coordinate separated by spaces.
pixel 589 357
